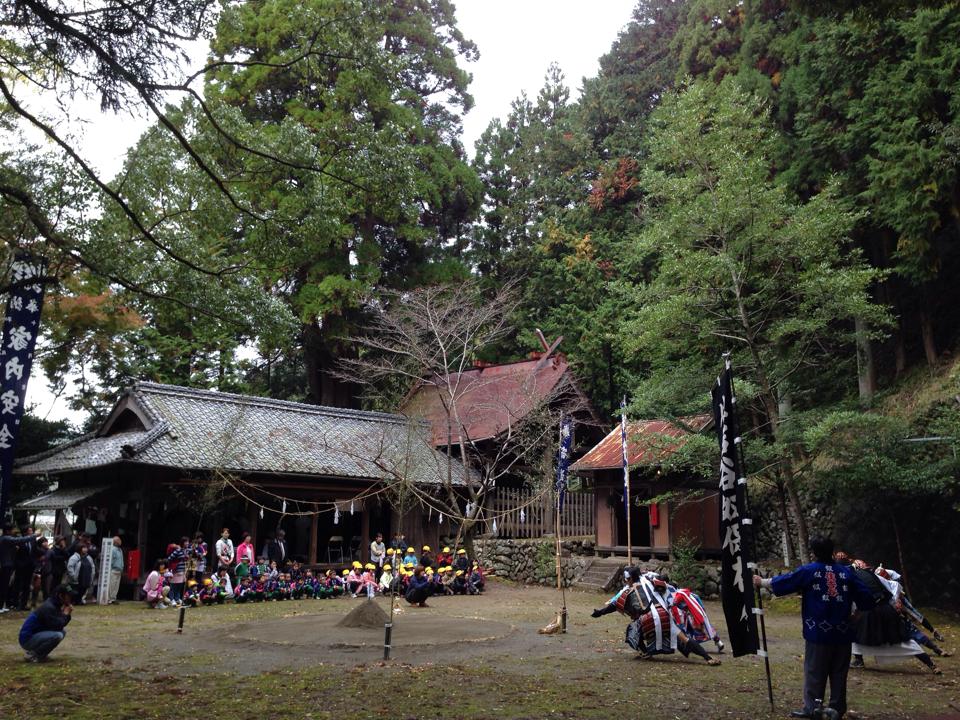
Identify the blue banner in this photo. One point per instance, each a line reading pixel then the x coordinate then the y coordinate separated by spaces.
pixel 21 325
pixel 563 460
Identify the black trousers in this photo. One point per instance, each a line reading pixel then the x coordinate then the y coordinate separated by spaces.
pixel 822 663
pixel 5 574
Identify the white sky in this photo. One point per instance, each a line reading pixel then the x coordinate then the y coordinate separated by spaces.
pixel 517 39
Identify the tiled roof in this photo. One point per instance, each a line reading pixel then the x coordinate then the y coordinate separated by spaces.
pixel 202 429
pixel 648 442
pixel 489 399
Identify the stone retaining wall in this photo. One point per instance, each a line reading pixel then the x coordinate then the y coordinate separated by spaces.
pixel 533 562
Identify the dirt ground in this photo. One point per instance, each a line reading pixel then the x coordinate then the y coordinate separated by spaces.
pixel 462 657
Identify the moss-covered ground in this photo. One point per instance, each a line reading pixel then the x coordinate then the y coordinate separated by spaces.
pixel 237 662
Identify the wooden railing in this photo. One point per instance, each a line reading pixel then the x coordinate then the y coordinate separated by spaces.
pixel 539 513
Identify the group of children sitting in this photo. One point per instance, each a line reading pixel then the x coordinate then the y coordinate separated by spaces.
pixel 265 581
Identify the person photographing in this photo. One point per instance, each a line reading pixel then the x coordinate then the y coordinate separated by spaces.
pixel 44 628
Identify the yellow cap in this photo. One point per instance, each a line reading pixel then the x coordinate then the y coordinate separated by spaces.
pixel 429 571
pixel 459 573
pixel 389 551
pixel 346 571
pixel 410 549
pixel 426 548
pixel 191 583
pixel 446 549
pixel 387 566
pixel 369 566
pixel 207 581
pixel 461 551
pixel 408 565
pixel 356 564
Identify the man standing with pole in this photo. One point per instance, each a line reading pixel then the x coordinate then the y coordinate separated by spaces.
pixel 828 592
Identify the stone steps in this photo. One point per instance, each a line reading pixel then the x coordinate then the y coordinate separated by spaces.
pixel 601 574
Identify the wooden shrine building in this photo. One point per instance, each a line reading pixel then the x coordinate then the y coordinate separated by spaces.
pixel 171 460
pixel 688 504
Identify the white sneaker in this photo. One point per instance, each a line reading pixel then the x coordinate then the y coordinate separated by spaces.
pixel 4 609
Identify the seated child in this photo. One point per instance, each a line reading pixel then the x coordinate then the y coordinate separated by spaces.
pixel 283 587
pixel 259 589
pixel 271 588
pixel 462 562
pixel 296 572
pixel 263 567
pixel 386 579
pixel 208 593
pixel 447 580
pixel 191 595
pixel 368 581
pixel 476 577
pixel 459 583
pixel 273 573
pixel 244 590
pixel 335 584
pixel 309 585
pixel 224 587
pixel 410 557
pixel 444 557
pixel 353 581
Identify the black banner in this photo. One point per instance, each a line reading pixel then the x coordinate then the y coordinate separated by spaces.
pixel 20 327
pixel 736 579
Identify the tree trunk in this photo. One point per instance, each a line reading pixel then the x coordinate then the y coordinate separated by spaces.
pixel 791 557
pixel 320 357
pixel 929 342
pixel 866 369
pixel 899 349
pixel 796 505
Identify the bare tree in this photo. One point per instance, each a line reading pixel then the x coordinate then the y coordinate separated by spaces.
pixel 419 354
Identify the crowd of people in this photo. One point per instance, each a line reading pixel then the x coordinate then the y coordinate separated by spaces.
pixel 181 579
pixel 32 566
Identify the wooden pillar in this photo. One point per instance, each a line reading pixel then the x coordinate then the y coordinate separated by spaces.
pixel 365 535
pixel 253 517
pixel 142 530
pixel 314 530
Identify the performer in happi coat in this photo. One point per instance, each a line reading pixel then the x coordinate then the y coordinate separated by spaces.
pixel 882 632
pixel 652 630
pixel 689 613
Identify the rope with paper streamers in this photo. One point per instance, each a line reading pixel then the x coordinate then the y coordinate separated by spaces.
pixel 335 505
pixel 482 514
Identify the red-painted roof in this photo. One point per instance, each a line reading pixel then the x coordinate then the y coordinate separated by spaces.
pixel 488 399
pixel 648 442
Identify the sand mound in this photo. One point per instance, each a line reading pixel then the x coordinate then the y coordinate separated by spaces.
pixel 366 615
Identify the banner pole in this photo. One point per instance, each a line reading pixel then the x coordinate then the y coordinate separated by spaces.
pixel 753 539
pixel 626 478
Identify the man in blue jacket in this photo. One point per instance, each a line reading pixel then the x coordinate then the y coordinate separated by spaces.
pixel 829 591
pixel 44 628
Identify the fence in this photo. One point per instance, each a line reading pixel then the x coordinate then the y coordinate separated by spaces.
pixel 540 514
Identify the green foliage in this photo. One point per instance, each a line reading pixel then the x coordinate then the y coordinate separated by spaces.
pixel 869 454
pixel 686 572
pixel 739 264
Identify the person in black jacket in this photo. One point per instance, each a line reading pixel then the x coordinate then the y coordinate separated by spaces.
pixel 277 549
pixel 24 564
pixel 8 550
pixel 44 628
pixel 57 558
